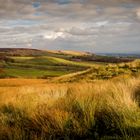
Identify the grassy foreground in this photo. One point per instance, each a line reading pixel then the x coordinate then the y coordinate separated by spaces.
pixel 36 110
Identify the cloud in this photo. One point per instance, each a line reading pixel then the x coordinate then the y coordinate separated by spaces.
pixel 97 25
pixel 70 8
pixel 54 35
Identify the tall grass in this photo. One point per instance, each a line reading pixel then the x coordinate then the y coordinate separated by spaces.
pixel 102 110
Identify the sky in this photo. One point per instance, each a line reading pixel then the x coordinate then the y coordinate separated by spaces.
pixel 101 26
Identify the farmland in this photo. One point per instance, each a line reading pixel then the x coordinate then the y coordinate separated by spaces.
pixel 26 63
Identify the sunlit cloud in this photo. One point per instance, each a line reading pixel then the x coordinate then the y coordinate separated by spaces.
pixel 53 35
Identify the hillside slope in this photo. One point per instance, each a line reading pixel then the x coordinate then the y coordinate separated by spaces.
pixel 33 63
pixel 102 72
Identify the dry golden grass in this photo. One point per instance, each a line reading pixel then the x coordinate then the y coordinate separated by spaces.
pixel 20 82
pixel 36 109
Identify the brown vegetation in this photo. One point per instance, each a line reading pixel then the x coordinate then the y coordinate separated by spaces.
pixel 101 110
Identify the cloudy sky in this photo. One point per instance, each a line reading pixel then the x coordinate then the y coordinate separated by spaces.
pixel 85 25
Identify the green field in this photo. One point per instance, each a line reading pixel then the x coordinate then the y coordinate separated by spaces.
pixel 45 65
pixel 35 67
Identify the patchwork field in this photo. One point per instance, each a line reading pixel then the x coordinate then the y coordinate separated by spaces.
pixel 27 63
pixel 39 66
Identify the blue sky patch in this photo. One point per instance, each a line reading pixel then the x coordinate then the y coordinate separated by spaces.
pixel 63 1
pixel 36 4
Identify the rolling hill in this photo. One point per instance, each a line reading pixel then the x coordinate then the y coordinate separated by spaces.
pixel 67 65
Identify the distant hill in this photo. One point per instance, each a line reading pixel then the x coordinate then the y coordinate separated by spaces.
pixel 75 53
pixel 20 52
pixel 37 52
pixel 69 55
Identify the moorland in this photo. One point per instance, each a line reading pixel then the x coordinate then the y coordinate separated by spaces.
pixel 68 95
